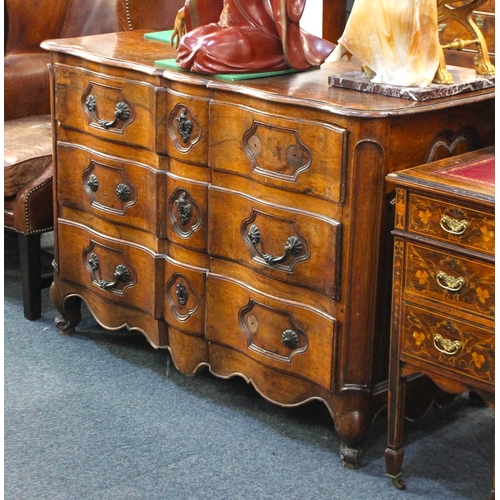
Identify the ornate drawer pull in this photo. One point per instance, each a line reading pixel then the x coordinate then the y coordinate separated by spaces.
pixel 453 226
pixel 448 346
pixel 121 274
pixel 449 282
pixel 184 126
pixel 290 339
pixel 93 183
pixel 122 190
pixel 182 294
pixel 122 112
pixel 293 246
pixel 183 208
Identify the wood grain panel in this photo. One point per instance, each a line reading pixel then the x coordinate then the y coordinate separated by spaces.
pixel 294 154
pixel 111 188
pixel 255 324
pixel 314 262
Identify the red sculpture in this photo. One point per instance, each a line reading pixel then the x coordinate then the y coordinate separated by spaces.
pixel 245 36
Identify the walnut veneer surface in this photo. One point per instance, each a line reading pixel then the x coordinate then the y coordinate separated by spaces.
pixel 242 225
pixel 444 284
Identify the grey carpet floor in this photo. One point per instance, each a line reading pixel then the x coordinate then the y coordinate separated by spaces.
pixel 101 415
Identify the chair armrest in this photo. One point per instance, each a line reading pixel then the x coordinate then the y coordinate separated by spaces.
pixel 33 207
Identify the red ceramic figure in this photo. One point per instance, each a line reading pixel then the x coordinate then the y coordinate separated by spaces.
pixel 246 36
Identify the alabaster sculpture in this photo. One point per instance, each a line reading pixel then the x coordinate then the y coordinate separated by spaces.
pixel 396 40
pixel 245 36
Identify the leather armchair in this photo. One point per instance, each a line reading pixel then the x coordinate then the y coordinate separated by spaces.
pixel 28 206
pixel 157 15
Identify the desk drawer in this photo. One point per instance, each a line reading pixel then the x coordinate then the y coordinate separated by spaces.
pixel 112 269
pixel 114 109
pixel 448 345
pixel 293 246
pixel 452 223
pixel 278 334
pixel 459 282
pixel 111 188
pixel 295 154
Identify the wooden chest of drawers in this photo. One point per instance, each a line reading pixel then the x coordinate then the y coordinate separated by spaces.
pixel 444 284
pixel 242 225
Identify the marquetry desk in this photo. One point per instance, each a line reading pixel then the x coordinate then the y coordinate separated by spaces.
pixel 443 312
pixel 243 225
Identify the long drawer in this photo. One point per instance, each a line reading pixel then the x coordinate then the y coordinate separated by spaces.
pixel 111 108
pixel 111 188
pixel 289 245
pixel 461 283
pixel 451 223
pixel 295 154
pixel 286 336
pixel 447 345
pixel 111 269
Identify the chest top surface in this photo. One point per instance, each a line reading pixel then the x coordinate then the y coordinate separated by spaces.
pixel 130 50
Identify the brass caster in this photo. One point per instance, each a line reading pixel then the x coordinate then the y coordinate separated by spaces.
pixel 398 482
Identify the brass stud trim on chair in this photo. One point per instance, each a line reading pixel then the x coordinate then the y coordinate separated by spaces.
pixel 26 214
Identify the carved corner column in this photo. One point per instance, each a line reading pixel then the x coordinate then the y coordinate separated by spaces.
pixel 354 412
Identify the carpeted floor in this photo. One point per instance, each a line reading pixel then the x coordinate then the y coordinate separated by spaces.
pixel 101 415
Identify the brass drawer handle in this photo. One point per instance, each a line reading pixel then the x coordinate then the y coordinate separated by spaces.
pixel 293 246
pixel 122 112
pixel 449 282
pixel 121 274
pixel 447 346
pixel 290 339
pixel 453 226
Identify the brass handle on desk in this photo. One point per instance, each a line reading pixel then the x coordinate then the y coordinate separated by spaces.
pixel 121 273
pixel 453 226
pixel 290 339
pixel 449 283
pixel 122 112
pixel 293 246
pixel 449 347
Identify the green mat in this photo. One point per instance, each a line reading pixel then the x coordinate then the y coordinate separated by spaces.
pixel 171 64
pixel 160 36
pixel 165 36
